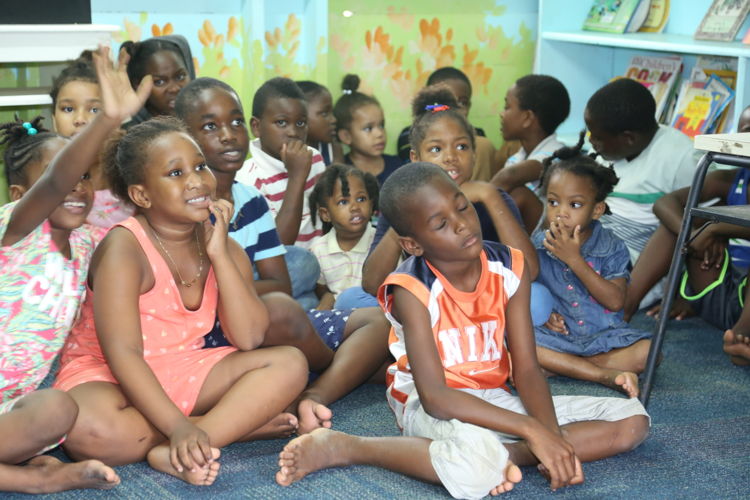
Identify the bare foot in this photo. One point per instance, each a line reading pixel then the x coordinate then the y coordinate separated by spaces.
pixel 512 477
pixel 317 450
pixel 282 425
pixel 738 347
pixel 45 474
pixel 158 458
pixel 313 415
pixel 626 382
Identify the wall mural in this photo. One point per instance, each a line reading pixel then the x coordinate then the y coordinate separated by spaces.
pixel 393 48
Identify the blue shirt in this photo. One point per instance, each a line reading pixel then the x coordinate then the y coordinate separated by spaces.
pixel 252 224
pixel 608 256
pixel 592 329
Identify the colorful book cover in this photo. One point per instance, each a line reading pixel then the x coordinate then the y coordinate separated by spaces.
pixel 722 96
pixel 658 74
pixel 723 20
pixel 693 110
pixel 615 16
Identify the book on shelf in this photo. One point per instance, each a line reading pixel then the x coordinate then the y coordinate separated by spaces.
pixel 659 74
pixel 723 20
pixel 700 105
pixel 617 16
pixel 726 69
pixel 658 14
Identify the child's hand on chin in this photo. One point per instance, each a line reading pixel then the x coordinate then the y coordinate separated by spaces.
pixel 297 158
pixel 216 233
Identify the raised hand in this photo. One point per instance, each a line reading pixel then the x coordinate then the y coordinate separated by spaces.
pixel 561 244
pixel 297 158
pixel 119 100
pixel 216 233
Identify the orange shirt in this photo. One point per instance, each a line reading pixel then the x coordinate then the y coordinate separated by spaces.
pixel 468 327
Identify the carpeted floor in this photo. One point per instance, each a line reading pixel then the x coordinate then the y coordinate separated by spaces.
pixel 699 445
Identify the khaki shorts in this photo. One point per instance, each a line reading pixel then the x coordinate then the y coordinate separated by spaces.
pixel 470 460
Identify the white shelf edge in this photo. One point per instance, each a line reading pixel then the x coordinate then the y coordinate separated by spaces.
pixel 25 100
pixel 24 43
pixel 735 144
pixel 658 42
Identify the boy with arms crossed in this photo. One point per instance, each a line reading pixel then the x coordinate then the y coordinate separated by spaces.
pixel 450 305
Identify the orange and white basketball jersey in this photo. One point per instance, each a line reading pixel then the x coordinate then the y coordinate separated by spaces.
pixel 468 327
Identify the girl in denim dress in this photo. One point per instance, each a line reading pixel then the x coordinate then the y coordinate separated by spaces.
pixel 586 269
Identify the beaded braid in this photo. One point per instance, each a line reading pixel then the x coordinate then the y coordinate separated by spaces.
pixel 571 159
pixel 22 141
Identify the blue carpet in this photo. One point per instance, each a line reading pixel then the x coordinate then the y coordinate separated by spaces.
pixel 699 446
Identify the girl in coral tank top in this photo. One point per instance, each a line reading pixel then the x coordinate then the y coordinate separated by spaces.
pixel 134 363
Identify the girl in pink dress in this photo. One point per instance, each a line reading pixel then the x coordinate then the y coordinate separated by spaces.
pixel 135 365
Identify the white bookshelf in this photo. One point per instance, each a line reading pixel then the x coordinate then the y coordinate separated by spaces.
pixel 45 44
pixel 586 60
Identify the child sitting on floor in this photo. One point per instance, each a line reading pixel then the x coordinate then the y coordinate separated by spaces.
pixel 321 123
pixel 649 159
pixel 135 362
pixel 360 124
pixel 346 347
pixel 534 107
pixel 718 259
pixel 76 99
pixel 442 135
pixel 44 258
pixel 284 169
pixel 585 267
pixel 344 198
pixel 455 305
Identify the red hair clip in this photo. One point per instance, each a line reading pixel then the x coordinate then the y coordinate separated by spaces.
pixel 437 107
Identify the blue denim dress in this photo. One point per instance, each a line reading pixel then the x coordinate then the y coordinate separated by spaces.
pixel 592 329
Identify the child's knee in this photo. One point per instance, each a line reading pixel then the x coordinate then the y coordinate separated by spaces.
pixel 292 361
pixel 636 432
pixel 48 413
pixel 288 322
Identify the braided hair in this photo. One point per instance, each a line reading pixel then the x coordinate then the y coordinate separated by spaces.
pixel 573 160
pixel 22 146
pixel 326 183
pixel 431 104
pixel 350 101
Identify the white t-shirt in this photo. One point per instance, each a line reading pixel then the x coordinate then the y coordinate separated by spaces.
pixel 543 150
pixel 667 164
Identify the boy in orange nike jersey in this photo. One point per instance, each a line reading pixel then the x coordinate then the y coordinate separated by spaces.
pixel 453 306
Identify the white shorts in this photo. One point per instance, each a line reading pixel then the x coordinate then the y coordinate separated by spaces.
pixel 470 460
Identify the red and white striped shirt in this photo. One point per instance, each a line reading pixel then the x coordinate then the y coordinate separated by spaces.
pixel 269 176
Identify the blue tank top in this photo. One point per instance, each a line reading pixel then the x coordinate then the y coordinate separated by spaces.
pixel 739 249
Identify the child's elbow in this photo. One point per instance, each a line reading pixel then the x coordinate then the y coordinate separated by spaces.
pixel 435 406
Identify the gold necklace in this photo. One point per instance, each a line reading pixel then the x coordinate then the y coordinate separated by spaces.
pixel 200 255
